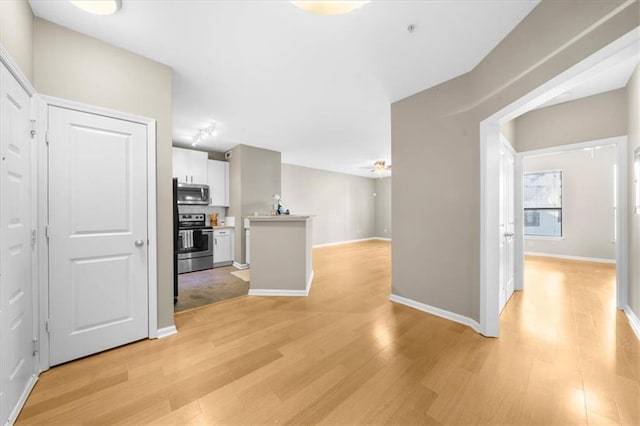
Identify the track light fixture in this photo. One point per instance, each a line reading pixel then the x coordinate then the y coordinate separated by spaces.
pixel 204 133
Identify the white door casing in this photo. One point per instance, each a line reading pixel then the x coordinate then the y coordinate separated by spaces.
pixel 506 225
pixel 17 356
pixel 98 288
pixel 609 56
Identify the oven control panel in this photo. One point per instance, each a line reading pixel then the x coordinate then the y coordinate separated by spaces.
pixel 191 220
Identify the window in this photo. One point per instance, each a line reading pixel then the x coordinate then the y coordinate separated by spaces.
pixel 543 204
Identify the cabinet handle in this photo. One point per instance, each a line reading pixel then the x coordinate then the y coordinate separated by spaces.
pixel 186 179
pixel 191 179
pixel 215 241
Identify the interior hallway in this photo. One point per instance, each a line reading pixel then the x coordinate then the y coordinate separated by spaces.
pixel 347 355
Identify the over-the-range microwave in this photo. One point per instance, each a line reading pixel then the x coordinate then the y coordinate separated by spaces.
pixel 194 194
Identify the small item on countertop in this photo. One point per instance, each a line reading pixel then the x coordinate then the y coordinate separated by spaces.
pixel 213 217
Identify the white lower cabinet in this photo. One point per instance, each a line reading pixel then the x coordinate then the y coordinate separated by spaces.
pixel 222 247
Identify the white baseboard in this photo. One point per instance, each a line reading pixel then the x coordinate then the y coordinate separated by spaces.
pixel 279 292
pixel 633 321
pixel 23 398
pixel 310 281
pixel 240 265
pixel 268 292
pixel 436 311
pixel 167 331
pixel 563 256
pixel 350 241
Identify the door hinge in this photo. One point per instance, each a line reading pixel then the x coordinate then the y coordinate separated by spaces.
pixel 46 231
pixel 36 346
pixel 46 326
pixel 34 237
pixel 33 129
pixel 46 137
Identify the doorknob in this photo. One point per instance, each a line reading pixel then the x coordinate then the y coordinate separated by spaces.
pixel 139 243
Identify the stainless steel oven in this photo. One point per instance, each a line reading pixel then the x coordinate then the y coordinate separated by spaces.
pixel 195 243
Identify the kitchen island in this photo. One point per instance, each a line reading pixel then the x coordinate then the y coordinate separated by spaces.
pixel 281 255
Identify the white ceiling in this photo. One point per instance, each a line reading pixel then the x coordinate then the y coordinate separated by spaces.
pixel 316 88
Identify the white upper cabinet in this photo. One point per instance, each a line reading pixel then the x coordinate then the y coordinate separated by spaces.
pixel 190 166
pixel 218 172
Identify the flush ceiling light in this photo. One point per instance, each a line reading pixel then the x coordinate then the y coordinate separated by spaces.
pixel 98 7
pixel 329 7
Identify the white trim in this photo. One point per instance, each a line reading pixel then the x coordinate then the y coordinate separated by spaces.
pixel 152 260
pixel 338 243
pixel 634 322
pixel 622 218
pixel 543 237
pixel 269 292
pixel 578 146
pixel 13 416
pixel 489 225
pixel 240 265
pixel 451 316
pixel 569 257
pixel 617 51
pixel 166 332
pixel 310 281
pixel 152 228
pixel 281 292
pixel 35 252
pixel 42 285
pixel 15 70
pixel 93 109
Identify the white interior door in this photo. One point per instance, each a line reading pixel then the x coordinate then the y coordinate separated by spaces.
pixel 16 280
pixel 507 225
pixel 98 286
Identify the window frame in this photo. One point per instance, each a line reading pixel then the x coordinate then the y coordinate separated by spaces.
pixel 559 209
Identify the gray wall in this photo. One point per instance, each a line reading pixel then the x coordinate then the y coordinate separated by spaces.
pixel 261 179
pixel 383 207
pixel 633 109
pixel 594 117
pixel 254 177
pixel 74 66
pixel 587 203
pixel 343 205
pixel 436 147
pixel 16 33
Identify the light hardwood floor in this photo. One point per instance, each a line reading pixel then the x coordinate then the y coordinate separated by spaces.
pixel 346 355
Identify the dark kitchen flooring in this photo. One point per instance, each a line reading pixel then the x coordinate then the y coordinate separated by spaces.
pixel 209 286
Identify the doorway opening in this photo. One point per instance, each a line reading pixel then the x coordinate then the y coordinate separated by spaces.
pixel 619 52
pixel 203 241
